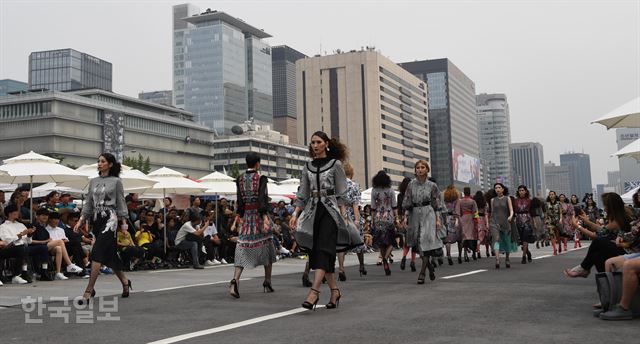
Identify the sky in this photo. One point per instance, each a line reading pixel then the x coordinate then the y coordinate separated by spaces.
pixel 561 63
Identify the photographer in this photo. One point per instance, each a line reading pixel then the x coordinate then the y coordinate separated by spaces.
pixel 190 238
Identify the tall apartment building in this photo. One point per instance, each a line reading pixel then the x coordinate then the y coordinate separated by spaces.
pixel 528 165
pixel 580 167
pixel 68 69
pixel 558 178
pixel 452 122
pixel 221 68
pixel 378 109
pixel 494 134
pixel 283 60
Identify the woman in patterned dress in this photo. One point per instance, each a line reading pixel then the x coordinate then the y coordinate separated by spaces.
pixel 421 204
pixel 466 210
pixel 383 205
pixel 504 236
pixel 254 246
pixel 524 222
pixel 567 214
pixel 484 237
pixel 322 229
pixel 537 216
pixel 352 203
pixel 454 231
pixel 553 219
pixel 592 212
pixel 402 189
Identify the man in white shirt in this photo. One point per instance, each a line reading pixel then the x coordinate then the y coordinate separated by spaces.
pixel 14 237
pixel 57 233
pixel 190 238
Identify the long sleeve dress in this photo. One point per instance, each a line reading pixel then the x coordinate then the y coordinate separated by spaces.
pixel 466 210
pixel 552 219
pixel 383 203
pixel 420 200
pixel 524 220
pixel 353 199
pixel 255 246
pixel 104 205
pixel 322 231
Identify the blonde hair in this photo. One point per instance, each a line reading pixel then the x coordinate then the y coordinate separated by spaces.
pixel 348 170
pixel 423 162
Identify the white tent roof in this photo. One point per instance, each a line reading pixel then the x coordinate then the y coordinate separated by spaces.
pixel 626 116
pixel 174 182
pixel 628 197
pixel 631 150
pixel 132 180
pixel 37 168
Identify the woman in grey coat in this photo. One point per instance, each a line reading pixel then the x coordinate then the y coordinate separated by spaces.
pixel 322 230
pixel 422 220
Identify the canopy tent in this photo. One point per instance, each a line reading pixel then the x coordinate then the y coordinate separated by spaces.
pixel 631 150
pixel 628 197
pixel 132 180
pixel 626 116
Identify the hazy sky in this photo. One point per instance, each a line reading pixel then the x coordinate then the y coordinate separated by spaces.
pixel 561 64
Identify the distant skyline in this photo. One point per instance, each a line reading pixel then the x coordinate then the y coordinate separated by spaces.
pixel 561 64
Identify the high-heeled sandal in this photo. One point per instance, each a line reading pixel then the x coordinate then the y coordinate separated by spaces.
pixel 266 286
pixel 308 305
pixel 332 305
pixel 87 300
pixel 507 263
pixel 385 265
pixel 421 278
pixel 412 265
pixel 342 276
pixel 403 263
pixel 233 289
pixel 305 280
pixel 497 264
pixel 363 271
pixel 125 292
pixel 450 260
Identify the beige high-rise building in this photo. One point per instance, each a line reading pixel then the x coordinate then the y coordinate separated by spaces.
pixel 378 109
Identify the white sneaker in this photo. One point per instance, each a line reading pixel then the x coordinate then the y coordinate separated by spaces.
pixel 284 251
pixel 60 277
pixel 222 261
pixel 74 269
pixel 216 262
pixel 209 263
pixel 277 258
pixel 18 280
pixel 1 283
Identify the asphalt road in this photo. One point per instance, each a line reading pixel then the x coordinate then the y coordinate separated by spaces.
pixel 531 303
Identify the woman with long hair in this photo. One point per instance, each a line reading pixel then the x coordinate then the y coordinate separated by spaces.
pixel 566 207
pixel 105 207
pixel 383 205
pixel 524 222
pixel 421 203
pixel 322 229
pixel 553 219
pixel 501 230
pixel 454 233
pixel 592 212
pixel 402 189
pixel 537 215
pixel 466 210
pixel 352 202
pixel 482 221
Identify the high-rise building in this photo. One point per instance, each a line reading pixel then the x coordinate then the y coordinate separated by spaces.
pixel 614 181
pixel 528 164
pixel 629 167
pixel 378 109
pixel 68 69
pixel 283 60
pixel 580 167
pixel 8 86
pixel 221 68
pixel 557 178
pixel 494 135
pixel 158 97
pixel 453 125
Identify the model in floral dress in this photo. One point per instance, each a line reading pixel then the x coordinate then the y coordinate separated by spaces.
pixel 352 204
pixel 552 219
pixel 383 205
pixel 466 210
pixel 567 215
pixel 454 231
pixel 482 222
pixel 524 222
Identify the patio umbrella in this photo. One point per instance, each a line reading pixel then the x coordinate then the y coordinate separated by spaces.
pixel 628 197
pixel 626 116
pixel 219 184
pixel 36 168
pixel 631 150
pixel 173 182
pixel 47 188
pixel 132 180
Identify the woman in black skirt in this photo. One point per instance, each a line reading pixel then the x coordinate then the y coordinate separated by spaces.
pixel 322 229
pixel 105 207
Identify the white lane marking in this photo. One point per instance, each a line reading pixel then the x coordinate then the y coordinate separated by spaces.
pixel 563 252
pixel 464 274
pixel 188 269
pixel 540 257
pixel 230 326
pixel 191 285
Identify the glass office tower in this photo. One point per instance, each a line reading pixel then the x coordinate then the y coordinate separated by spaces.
pixel 68 69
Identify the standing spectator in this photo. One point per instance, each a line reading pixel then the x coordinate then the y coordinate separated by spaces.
pixel 167 203
pixel 194 208
pixel 134 206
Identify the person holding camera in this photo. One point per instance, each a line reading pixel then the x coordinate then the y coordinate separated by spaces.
pixel 189 237
pixel 14 240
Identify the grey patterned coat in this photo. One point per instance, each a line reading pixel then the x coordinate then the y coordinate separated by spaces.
pixel 421 231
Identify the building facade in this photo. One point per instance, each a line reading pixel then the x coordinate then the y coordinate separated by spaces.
pixel 283 59
pixel 580 167
pixel 494 135
pixel 68 69
pixel 558 178
pixel 221 68
pixel 279 159
pixel 79 125
pixel 375 107
pixel 452 122
pixel 629 167
pixel 8 86
pixel 157 97
pixel 528 166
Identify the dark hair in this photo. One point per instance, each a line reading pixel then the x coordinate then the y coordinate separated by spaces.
pixel 636 199
pixel 193 199
pixel 54 215
pixel 42 211
pixel 526 191
pixel 252 159
pixel 10 209
pixel 404 185
pixel 566 200
pixel 72 216
pixel 50 195
pixel 466 191
pixel 549 198
pixel 614 206
pixel 336 150
pixel 489 195
pixel 571 199
pixel 506 189
pixel 536 203
pixel 479 198
pixel 381 180
pixel 194 216
pixel 116 167
pixel 170 200
pixel 19 190
pixel 65 195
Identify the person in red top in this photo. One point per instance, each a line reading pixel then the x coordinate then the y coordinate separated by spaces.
pixel 524 222
pixel 466 210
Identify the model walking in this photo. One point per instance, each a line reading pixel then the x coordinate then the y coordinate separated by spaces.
pixel 106 207
pixel 454 232
pixel 466 210
pixel 383 205
pixel 501 230
pixel 402 189
pixel 422 220
pixel 254 246
pixel 524 222
pixel 566 208
pixel 352 203
pixel 322 229
pixel 553 219
pixel 482 221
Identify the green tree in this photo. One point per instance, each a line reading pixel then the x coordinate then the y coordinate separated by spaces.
pixel 235 170
pixel 129 161
pixel 295 174
pixel 140 162
pixel 147 166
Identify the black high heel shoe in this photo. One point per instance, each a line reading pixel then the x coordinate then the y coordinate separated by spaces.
pixel 125 292
pixel 385 265
pixel 332 305
pixel 507 263
pixel 342 276
pixel 432 272
pixel 529 259
pixel 87 300
pixel 309 305
pixel 305 281
pixel 450 260
pixel 459 260
pixel 363 271
pixel 421 277
pixel 412 265
pixel 233 289
pixel 403 263
pixel 266 286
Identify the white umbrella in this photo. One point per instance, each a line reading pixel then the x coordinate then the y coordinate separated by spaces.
pixel 216 177
pixel 132 180
pixel 626 116
pixel 631 150
pixel 628 197
pixel 173 182
pixel 36 168
pixel 47 188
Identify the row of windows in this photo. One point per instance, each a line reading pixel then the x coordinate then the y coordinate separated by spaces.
pixel 17 111
pixel 155 126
